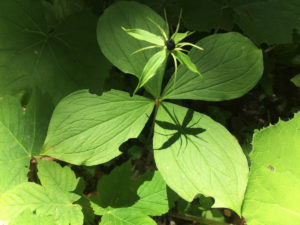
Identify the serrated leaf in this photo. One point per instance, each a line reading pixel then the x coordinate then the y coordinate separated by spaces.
pixel 152 193
pixel 22 133
pixel 274 181
pixel 146 195
pixel 112 197
pixel 53 175
pixel 59 59
pixel 257 19
pixel 195 154
pixel 43 200
pixel 126 217
pixel 296 80
pixel 230 63
pixel 87 129
pixel 144 35
pixel 118 46
pixel 152 66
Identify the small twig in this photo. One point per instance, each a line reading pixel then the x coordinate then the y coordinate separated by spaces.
pixel 269 49
pixel 198 219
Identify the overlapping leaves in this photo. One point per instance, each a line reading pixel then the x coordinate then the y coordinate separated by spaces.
pixel 53 198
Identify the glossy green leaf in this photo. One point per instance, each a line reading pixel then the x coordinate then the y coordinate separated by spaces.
pixel 59 59
pixel 274 181
pixel 22 133
pixel 87 129
pixel 46 199
pixel 196 155
pixel 118 46
pixel 152 66
pixel 230 63
pixel 269 21
pixel 296 80
pixel 126 217
pixel 186 61
pixel 145 36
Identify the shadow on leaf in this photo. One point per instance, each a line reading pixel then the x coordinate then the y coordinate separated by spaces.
pixel 180 130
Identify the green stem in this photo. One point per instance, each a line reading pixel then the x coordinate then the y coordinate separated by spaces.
pixel 157 101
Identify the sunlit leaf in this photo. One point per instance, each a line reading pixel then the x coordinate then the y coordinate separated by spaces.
pixel 274 181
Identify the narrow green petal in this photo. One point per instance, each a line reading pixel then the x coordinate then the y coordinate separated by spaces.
pixel 186 61
pixel 152 66
pixel 178 25
pixel 189 44
pixel 180 36
pixel 159 27
pixel 146 48
pixel 145 36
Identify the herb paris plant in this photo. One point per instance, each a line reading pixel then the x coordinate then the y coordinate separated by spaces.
pixel 170 45
pixel 193 153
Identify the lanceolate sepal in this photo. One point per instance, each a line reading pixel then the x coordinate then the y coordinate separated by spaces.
pixel 169 45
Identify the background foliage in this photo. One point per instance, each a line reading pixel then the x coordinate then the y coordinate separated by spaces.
pixel 103 159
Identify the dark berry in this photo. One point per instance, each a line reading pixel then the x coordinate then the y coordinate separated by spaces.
pixel 170 44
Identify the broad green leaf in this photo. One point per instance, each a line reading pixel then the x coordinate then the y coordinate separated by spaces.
pixel 153 65
pixel 125 217
pixel 58 60
pixel 270 21
pixel 112 197
pixel 44 200
pixel 147 194
pixel 186 61
pixel 22 133
pixel 118 46
pixel 230 63
pixel 28 218
pixel 273 191
pixel 54 176
pixel 152 193
pixel 144 35
pixel 87 129
pixel 206 15
pixel 296 80
pixel 196 155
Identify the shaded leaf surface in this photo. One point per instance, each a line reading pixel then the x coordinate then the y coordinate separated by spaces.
pixel 58 60
pixel 274 181
pixel 269 21
pixel 87 129
pixel 230 64
pixel 137 199
pixel 205 158
pixel 22 133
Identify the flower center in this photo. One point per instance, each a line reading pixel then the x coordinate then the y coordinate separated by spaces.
pixel 170 44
